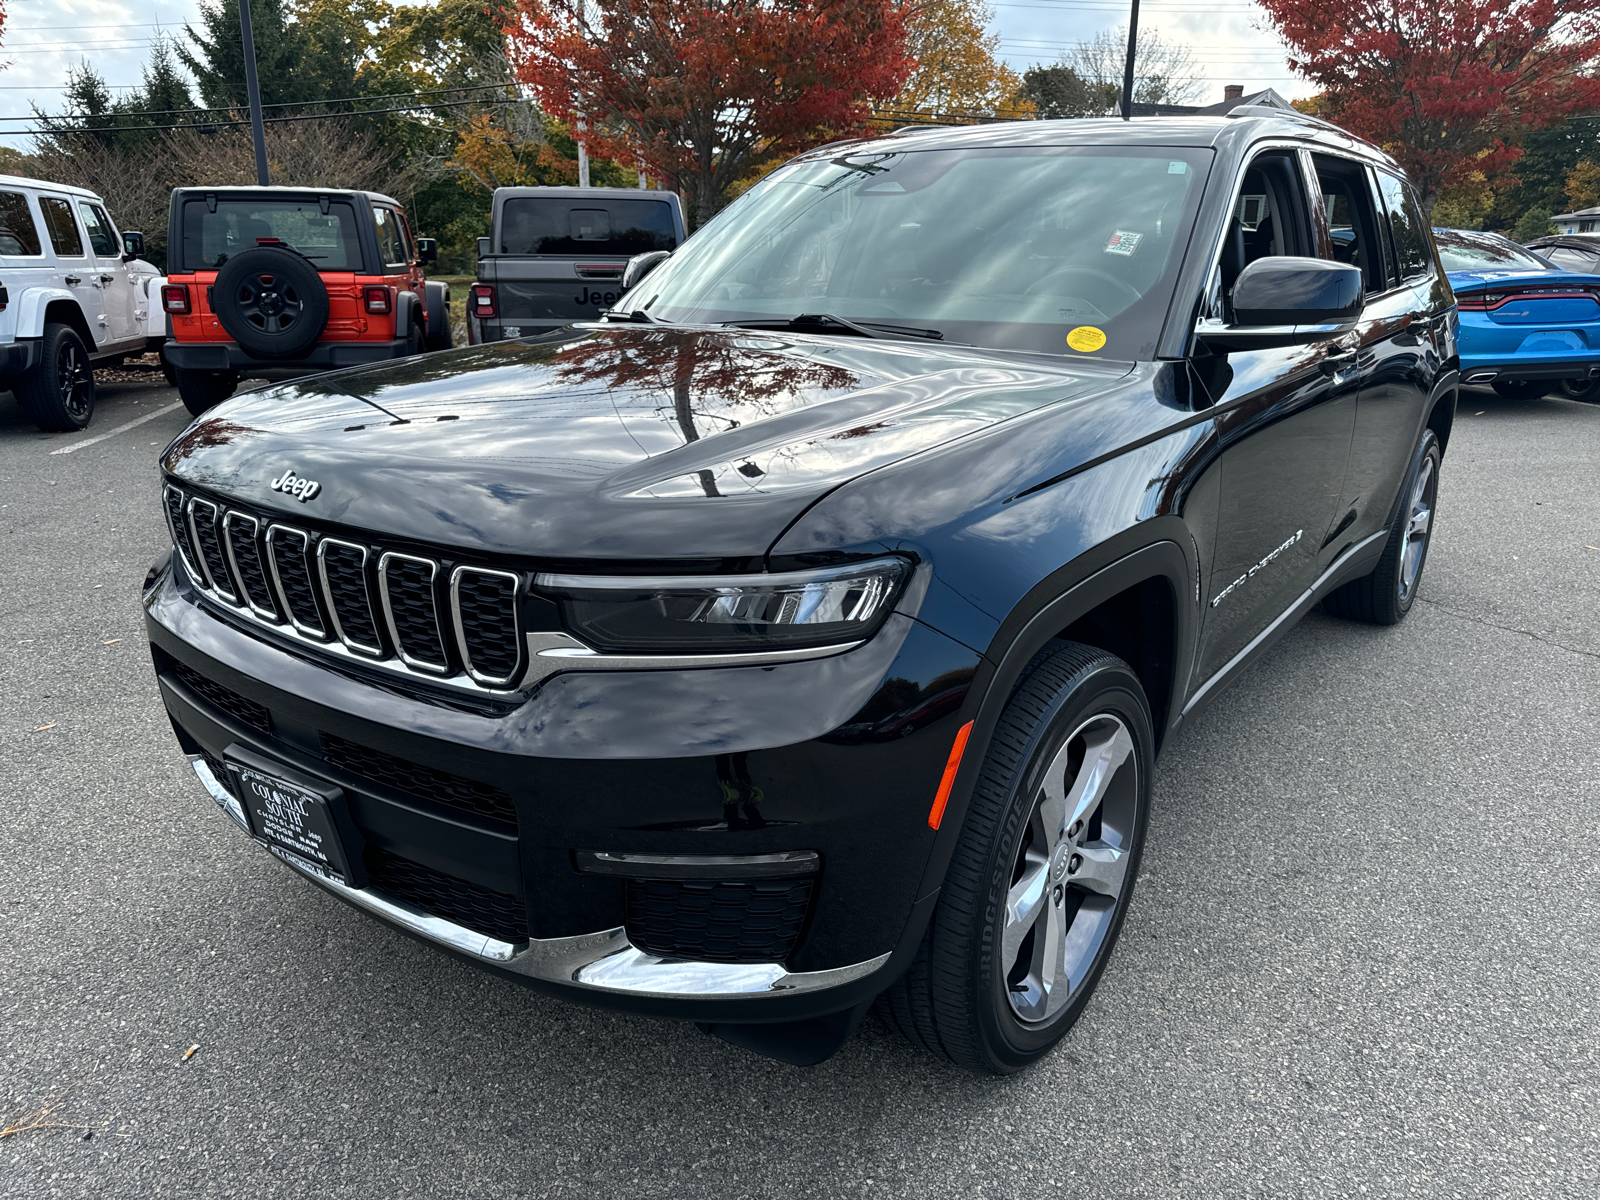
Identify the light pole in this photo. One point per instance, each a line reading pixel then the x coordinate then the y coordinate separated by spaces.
pixel 252 89
pixel 1127 74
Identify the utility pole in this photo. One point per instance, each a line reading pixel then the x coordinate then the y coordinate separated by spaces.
pixel 1127 74
pixel 583 155
pixel 252 87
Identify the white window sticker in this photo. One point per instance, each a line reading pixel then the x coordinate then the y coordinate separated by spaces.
pixel 1124 242
pixel 1177 168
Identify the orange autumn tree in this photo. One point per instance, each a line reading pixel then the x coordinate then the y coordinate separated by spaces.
pixel 702 91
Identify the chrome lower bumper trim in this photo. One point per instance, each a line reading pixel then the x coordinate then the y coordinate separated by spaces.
pixel 603 962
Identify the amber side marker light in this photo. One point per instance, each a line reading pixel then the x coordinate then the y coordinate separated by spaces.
pixel 951 766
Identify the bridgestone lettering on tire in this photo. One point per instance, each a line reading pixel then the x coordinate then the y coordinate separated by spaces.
pixel 1039 885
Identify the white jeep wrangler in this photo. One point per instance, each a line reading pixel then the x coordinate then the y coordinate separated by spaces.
pixel 73 292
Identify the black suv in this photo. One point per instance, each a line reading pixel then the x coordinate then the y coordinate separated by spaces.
pixel 803 636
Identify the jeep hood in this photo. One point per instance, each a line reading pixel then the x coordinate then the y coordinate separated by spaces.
pixel 625 443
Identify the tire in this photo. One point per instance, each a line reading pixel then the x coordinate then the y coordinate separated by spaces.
pixel 414 339
pixel 976 993
pixel 167 370
pixel 1523 389
pixel 1385 596
pixel 437 298
pixel 1586 390
pixel 203 390
pixel 58 394
pixel 271 301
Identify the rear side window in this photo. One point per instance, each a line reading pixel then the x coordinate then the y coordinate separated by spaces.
pixel 1351 220
pixel 18 233
pixel 101 239
pixel 1405 220
pixel 1571 260
pixel 328 239
pixel 391 243
pixel 537 225
pixel 63 229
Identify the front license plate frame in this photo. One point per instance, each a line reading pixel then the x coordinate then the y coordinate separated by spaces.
pixel 294 816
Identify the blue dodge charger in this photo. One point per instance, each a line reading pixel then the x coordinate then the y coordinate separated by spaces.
pixel 1528 328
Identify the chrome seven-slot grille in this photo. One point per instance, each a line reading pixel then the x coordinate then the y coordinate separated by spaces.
pixel 379 605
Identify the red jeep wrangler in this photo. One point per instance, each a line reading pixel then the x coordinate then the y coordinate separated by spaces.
pixel 282 281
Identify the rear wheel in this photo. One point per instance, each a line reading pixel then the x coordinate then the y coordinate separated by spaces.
pixel 202 390
pixel 58 394
pixel 1385 596
pixel 1587 390
pixel 1522 389
pixel 1040 881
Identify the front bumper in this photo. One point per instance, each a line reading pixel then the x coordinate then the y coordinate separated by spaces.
pixel 324 356
pixel 584 758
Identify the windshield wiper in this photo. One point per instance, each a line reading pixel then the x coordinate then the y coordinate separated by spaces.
pixel 637 316
pixel 829 322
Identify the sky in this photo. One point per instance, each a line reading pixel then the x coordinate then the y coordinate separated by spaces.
pixel 43 38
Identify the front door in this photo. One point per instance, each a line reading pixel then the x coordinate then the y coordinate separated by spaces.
pixel 113 278
pixel 79 274
pixel 1284 419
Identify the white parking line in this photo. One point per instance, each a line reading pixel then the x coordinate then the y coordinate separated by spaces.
pixel 111 433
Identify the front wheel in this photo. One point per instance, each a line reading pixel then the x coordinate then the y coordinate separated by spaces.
pixel 58 394
pixel 1385 596
pixel 1039 885
pixel 202 390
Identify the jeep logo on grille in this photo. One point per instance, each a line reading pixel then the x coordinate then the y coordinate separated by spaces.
pixel 297 486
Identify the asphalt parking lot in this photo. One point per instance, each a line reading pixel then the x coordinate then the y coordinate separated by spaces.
pixel 1363 959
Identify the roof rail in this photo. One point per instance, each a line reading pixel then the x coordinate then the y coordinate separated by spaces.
pixel 916 125
pixel 1284 114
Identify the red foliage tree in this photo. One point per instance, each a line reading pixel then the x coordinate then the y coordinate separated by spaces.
pixel 1446 86
pixel 705 90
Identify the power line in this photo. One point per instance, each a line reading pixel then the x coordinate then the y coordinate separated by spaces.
pixel 204 125
pixel 173 112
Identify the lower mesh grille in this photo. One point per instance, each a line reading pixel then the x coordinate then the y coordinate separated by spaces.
pixel 721 921
pixel 218 769
pixel 246 712
pixel 488 912
pixel 480 799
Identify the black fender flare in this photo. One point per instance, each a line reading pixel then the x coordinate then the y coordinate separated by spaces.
pixel 1160 548
pixel 406 311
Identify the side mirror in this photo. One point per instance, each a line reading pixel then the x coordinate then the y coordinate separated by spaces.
pixel 132 245
pixel 641 265
pixel 1289 302
pixel 427 251
pixel 485 247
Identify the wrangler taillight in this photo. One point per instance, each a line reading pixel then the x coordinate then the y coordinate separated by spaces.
pixel 376 298
pixel 175 298
pixel 483 300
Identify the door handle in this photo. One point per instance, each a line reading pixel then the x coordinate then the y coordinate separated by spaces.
pixel 107 278
pixel 73 280
pixel 1345 354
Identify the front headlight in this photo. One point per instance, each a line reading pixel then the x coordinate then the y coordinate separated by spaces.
pixel 719 614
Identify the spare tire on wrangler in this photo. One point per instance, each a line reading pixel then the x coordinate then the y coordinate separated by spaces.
pixel 271 301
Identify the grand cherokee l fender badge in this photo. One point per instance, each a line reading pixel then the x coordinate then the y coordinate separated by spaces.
pixel 1223 594
pixel 295 485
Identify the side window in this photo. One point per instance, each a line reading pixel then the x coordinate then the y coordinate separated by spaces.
pixel 18 233
pixel 1405 220
pixel 390 247
pixel 1271 216
pixel 1351 219
pixel 63 229
pixel 408 246
pixel 101 239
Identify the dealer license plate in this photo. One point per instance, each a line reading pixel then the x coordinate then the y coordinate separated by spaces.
pixel 291 818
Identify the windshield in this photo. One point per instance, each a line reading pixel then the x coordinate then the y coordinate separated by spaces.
pixel 1484 252
pixel 1038 248
pixel 210 238
pixel 546 225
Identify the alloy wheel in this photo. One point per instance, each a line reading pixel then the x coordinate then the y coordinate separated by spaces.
pixel 1419 524
pixel 1071 870
pixel 74 381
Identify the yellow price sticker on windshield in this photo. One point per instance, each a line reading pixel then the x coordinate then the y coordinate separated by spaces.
pixel 1086 338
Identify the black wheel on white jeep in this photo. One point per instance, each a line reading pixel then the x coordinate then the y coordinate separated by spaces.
pixel 201 390
pixel 58 394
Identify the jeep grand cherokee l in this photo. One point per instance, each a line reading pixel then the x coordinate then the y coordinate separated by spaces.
pixel 803 636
